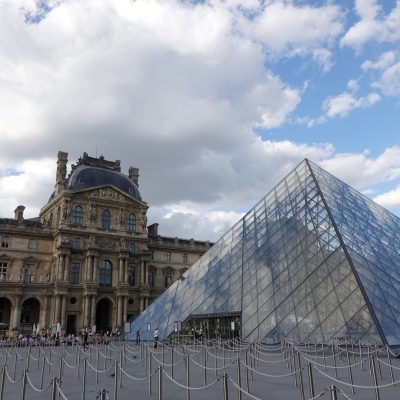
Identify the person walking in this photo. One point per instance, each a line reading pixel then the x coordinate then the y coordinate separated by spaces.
pixel 156 337
pixel 137 337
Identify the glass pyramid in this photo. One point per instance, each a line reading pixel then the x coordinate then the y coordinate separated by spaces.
pixel 314 259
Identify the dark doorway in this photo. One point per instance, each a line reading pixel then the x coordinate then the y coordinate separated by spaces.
pixel 71 324
pixel 103 315
pixel 5 314
pixel 30 312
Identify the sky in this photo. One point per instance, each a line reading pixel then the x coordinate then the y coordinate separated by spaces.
pixel 215 101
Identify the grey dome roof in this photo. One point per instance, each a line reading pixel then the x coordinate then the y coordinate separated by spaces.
pixel 85 177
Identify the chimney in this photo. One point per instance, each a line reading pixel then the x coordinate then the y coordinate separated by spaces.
pixel 153 230
pixel 62 159
pixel 134 175
pixel 19 213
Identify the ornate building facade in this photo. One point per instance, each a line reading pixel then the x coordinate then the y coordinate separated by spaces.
pixel 89 259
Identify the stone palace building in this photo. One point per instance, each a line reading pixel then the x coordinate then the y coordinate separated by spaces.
pixel 89 259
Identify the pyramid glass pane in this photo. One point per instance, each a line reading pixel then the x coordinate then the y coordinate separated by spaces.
pixel 313 259
pixel 371 236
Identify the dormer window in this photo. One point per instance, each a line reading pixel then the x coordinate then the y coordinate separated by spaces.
pixel 106 219
pixel 5 241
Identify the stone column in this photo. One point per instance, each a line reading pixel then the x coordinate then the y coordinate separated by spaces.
pixel 121 270
pixel 94 275
pixel 60 271
pixel 43 313
pixel 66 268
pixel 17 312
pixel 58 309
pixel 141 304
pixel 86 311
pixel 88 271
pixel 63 311
pixel 93 313
pixel 126 271
pixel 118 310
pixel 125 309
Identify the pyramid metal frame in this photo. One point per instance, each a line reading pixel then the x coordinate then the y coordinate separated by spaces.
pixel 314 259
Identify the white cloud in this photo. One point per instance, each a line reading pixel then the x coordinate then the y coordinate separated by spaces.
pixel 373 25
pixel 389 199
pixel 363 171
pixel 281 25
pixel 344 103
pixel 388 67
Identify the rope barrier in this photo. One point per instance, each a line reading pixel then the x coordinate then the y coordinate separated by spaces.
pixel 271 376
pixel 190 387
pixel 97 370
pixel 34 387
pixel 351 384
pixel 134 377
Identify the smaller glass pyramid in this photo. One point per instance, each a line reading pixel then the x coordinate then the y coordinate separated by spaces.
pixel 314 259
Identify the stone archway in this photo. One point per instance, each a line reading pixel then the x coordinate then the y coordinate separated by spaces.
pixel 30 314
pixel 5 314
pixel 104 314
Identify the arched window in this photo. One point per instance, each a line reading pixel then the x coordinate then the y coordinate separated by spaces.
pixel 105 273
pixel 131 276
pixel 106 219
pixel 77 215
pixel 131 223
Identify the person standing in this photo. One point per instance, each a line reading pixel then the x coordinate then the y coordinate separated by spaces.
pixel 156 337
pixel 137 338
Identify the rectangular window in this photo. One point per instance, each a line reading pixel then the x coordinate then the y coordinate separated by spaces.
pixel 76 243
pixel 5 241
pixel 32 244
pixel 28 272
pixel 3 271
pixel 168 256
pixel 131 276
pixel 185 258
pixel 152 278
pixel 74 272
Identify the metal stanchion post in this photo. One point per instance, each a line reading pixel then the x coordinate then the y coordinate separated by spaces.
pixel 42 374
pixel 187 378
pixel 54 389
pixel 28 360
pixel 390 363
pixel 116 380
pixel 3 376
pixel 205 367
pixel 120 375
pixel 97 365
pixel 225 386
pixel 49 358
pixel 333 392
pixel 15 364
pixel 300 377
pixel 149 370
pixel 310 379
pixel 172 360
pixel 377 396
pixel 350 373
pixel 23 385
pixel 160 382
pixel 239 378
pixel 84 379
pixel 247 372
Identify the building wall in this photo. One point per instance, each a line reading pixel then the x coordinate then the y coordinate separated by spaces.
pixel 54 269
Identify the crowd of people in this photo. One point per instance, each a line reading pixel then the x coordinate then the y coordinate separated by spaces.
pixel 85 337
